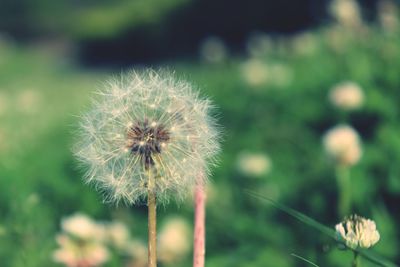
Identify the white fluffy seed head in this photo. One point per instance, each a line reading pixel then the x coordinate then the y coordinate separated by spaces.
pixel 147 123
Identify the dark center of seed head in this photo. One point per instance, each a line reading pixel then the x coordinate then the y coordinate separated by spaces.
pixel 146 140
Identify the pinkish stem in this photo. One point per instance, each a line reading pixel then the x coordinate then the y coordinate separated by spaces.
pixel 199 246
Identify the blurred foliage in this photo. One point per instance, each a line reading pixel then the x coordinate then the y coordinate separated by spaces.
pixel 41 96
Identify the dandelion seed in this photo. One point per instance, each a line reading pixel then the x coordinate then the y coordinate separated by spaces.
pixel 357 231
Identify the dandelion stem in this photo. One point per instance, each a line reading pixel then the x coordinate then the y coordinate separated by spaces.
pixel 356 261
pixel 344 186
pixel 199 250
pixel 152 223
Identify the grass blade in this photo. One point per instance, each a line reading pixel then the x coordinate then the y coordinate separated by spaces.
pixel 303 259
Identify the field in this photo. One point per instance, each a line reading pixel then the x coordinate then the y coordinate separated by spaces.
pixel 274 107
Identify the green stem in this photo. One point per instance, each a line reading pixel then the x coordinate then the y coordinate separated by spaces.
pixel 356 261
pixel 344 188
pixel 152 222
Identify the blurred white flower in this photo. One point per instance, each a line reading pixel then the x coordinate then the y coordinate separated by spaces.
pixel 148 123
pixel 388 14
pixel 213 50
pixel 254 164
pixel 79 253
pixel 342 144
pixel 346 12
pixel 304 43
pixel 174 240
pixel 357 231
pixel 28 101
pixel 259 44
pixel 347 96
pixel 257 73
pixel 118 234
pixel 137 252
pixel 82 227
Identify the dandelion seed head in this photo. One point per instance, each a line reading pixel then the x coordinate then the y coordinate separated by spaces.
pixel 357 231
pixel 147 123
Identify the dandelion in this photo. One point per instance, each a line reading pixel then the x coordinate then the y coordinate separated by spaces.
pixel 174 240
pixel 347 96
pixel 356 231
pixel 254 164
pixel 150 136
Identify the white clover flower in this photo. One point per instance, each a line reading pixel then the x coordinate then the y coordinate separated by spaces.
pixel 347 96
pixel 82 227
pixel 174 240
pixel 77 253
pixel 254 164
pixel 259 44
pixel 357 231
pixel 255 72
pixel 213 50
pixel 144 124
pixel 342 144
pixel 118 234
pixel 137 253
pixel 346 12
pixel 304 43
pixel 388 14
